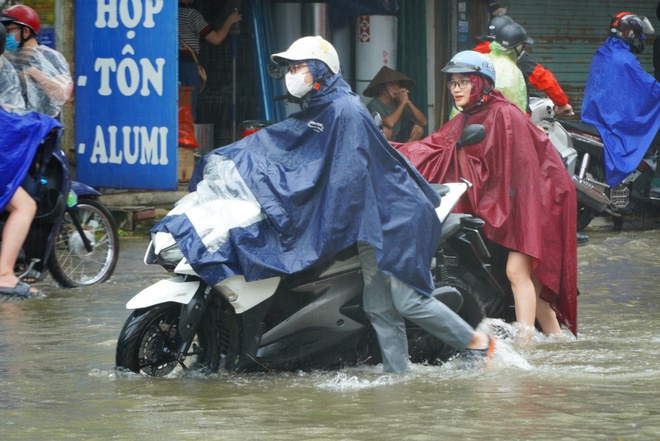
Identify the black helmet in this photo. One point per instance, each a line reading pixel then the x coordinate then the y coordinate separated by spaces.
pixel 632 29
pixel 511 35
pixel 493 25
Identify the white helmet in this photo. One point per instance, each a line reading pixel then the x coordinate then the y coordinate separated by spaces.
pixel 309 48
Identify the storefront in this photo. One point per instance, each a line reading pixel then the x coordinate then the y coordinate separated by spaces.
pixel 426 34
pixel 566 34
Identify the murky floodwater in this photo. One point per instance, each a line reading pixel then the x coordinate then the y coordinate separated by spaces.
pixel 57 379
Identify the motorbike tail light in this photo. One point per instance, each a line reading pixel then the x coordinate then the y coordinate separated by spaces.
pixel 249 127
pixel 644 166
pixel 247 132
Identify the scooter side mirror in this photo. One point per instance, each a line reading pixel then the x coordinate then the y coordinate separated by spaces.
pixel 276 71
pixel 378 119
pixel 472 134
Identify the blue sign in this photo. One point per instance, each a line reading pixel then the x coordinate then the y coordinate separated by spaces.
pixel 47 37
pixel 126 93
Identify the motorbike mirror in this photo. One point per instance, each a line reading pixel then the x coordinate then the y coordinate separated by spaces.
pixel 276 71
pixel 472 134
pixel 378 119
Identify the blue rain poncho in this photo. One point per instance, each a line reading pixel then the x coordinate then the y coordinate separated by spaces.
pixel 305 189
pixel 623 101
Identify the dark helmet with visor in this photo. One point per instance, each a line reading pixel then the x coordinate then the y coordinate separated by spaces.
pixel 512 35
pixel 494 25
pixel 632 29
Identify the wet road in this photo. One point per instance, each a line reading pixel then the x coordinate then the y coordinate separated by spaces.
pixel 57 380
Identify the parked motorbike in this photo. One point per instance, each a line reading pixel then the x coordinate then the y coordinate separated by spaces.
pixel 591 195
pixel 309 320
pixel 628 199
pixel 73 235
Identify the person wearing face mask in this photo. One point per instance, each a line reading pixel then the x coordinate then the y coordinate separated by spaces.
pixel 11 98
pixel 520 189
pixel 402 121
pixel 327 180
pixel 26 130
pixel 43 72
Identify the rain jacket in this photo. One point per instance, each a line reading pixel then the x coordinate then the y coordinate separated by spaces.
pixel 623 101
pixel 324 179
pixel 19 138
pixel 10 88
pixel 48 90
pixel 520 189
pixel 508 77
pixel 537 75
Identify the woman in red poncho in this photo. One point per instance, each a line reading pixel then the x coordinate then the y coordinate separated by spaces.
pixel 520 189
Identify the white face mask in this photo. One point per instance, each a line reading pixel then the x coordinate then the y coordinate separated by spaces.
pixel 295 84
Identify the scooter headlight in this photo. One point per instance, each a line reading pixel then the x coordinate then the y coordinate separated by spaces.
pixel 171 254
pixel 166 248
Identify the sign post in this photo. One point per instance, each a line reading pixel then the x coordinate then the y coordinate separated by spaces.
pixel 126 94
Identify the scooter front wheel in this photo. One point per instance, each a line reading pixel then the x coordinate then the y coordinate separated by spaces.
pixel 148 344
pixel 70 263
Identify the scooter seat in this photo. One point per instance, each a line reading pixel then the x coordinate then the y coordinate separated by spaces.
pixel 441 189
pixel 580 127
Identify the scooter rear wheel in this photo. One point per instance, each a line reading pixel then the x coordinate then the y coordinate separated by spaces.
pixel 584 216
pixel 70 263
pixel 147 343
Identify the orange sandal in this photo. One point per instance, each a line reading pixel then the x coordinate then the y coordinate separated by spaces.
pixel 479 357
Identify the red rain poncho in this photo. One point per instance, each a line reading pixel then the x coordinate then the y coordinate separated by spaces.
pixel 521 190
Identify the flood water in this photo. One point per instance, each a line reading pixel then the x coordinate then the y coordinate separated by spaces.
pixel 57 378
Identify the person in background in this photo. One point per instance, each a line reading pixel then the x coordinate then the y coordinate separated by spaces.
pixel 327 180
pixel 18 129
pixel 402 121
pixel 534 73
pixel 495 9
pixel 503 53
pixel 519 187
pixel 629 119
pixel 192 27
pixel 43 72
pixel 11 98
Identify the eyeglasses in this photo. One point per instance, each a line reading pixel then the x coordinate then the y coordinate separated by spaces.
pixel 293 68
pixel 462 84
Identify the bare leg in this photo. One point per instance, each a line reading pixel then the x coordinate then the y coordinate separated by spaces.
pixel 22 209
pixel 519 272
pixel 545 315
